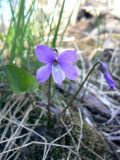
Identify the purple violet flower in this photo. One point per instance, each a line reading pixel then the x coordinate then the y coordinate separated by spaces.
pixel 105 70
pixel 60 66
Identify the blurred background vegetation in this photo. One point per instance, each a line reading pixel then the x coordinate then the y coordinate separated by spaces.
pixel 89 130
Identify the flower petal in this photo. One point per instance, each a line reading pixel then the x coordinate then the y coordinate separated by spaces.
pixel 105 70
pixel 43 73
pixel 70 71
pixel 44 54
pixel 68 56
pixel 58 74
pixel 110 81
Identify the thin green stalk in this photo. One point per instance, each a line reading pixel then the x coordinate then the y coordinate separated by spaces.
pixel 21 23
pixel 58 26
pixel 17 30
pixel 68 22
pixel 24 28
pixel 29 13
pixel 13 12
pixel 50 25
pixel 6 39
pixel 77 92
pixel 48 106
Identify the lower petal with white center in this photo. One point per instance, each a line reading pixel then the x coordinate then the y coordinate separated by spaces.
pixel 58 74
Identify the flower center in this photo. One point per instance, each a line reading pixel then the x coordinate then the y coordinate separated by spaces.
pixel 55 50
pixel 55 62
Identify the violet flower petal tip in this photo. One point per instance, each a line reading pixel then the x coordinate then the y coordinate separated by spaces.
pixel 105 70
pixel 110 81
pixel 43 73
pixel 68 56
pixel 69 70
pixel 44 54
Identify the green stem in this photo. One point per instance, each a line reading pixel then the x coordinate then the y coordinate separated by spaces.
pixel 77 92
pixel 48 106
pixel 58 26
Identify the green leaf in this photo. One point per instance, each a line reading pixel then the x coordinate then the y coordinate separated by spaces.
pixel 20 80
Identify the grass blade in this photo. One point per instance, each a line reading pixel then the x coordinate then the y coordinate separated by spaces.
pixel 58 25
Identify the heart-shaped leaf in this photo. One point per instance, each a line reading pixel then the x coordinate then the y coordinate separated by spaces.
pixel 20 80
